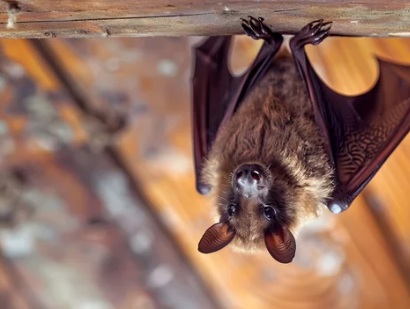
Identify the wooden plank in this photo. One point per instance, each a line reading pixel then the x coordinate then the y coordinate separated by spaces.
pixel 61 254
pixel 80 236
pixel 69 251
pixel 104 18
pixel 342 261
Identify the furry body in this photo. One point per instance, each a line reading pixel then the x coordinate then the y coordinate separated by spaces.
pixel 274 128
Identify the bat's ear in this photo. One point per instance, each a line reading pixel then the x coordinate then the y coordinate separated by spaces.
pixel 216 237
pixel 281 245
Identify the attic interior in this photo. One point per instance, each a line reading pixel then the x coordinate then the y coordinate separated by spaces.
pixel 98 207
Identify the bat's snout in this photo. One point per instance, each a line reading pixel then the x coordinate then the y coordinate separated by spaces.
pixel 250 180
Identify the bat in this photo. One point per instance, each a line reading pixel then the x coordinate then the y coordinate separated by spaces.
pixel 275 145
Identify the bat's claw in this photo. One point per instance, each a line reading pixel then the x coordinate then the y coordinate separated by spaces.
pixel 313 33
pixel 256 29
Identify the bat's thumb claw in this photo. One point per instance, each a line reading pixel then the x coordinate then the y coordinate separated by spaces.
pixel 337 206
pixel 203 189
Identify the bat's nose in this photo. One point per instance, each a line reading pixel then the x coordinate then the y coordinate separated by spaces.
pixel 248 179
pixel 247 176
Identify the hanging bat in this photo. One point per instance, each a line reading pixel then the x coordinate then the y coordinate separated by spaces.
pixel 276 144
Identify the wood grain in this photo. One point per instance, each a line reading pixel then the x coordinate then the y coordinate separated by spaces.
pixel 104 18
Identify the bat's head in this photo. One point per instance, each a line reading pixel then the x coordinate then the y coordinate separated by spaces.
pixel 257 210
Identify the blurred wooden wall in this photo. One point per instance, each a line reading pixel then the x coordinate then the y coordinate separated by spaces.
pixel 97 199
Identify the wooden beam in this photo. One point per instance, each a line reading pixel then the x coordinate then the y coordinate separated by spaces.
pixel 104 18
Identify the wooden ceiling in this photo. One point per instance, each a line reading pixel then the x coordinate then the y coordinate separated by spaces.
pixel 98 199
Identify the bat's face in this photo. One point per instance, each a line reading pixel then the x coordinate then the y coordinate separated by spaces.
pixel 253 205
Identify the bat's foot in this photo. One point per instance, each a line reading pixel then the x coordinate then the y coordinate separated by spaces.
pixel 313 33
pixel 256 29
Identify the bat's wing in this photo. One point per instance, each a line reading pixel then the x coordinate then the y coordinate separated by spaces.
pixel 217 93
pixel 361 131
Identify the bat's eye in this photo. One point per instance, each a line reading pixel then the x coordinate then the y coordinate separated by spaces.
pixel 269 212
pixel 231 210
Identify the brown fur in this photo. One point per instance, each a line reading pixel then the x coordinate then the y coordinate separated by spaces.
pixel 275 128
